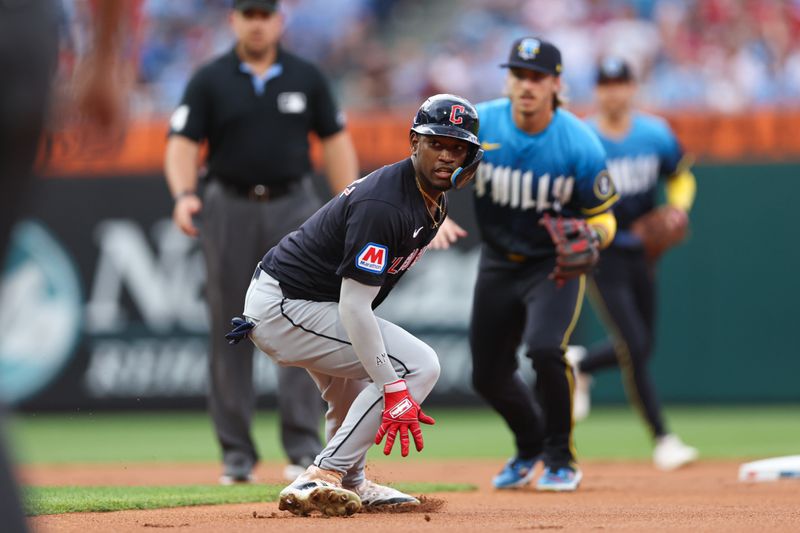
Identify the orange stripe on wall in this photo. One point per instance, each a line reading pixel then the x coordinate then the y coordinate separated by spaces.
pixel 382 138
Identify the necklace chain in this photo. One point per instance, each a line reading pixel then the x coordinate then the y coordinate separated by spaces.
pixel 440 204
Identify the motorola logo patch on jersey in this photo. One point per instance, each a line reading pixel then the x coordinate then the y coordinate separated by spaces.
pixel 292 102
pixel 373 258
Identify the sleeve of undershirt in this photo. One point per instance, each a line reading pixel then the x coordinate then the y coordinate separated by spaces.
pixel 358 319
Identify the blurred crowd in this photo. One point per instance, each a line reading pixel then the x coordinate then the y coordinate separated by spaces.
pixel 722 55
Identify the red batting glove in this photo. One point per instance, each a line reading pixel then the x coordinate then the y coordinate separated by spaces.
pixel 400 413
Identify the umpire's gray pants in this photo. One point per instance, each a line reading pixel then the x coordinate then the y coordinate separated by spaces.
pixel 235 233
pixel 310 335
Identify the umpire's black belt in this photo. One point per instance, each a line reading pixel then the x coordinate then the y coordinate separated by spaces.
pixel 262 192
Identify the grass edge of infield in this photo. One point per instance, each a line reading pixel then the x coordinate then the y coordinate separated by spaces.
pixel 71 499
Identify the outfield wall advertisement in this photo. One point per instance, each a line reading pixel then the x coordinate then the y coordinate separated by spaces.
pixel 102 306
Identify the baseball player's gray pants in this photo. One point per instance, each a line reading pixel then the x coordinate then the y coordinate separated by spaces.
pixel 310 335
pixel 235 233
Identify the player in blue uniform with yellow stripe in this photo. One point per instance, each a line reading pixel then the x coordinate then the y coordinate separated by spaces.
pixel 641 148
pixel 538 159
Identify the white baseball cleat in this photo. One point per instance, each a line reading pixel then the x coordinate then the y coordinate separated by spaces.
pixel 671 453
pixel 582 393
pixel 319 490
pixel 374 496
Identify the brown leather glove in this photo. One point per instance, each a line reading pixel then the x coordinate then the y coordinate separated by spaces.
pixel 661 229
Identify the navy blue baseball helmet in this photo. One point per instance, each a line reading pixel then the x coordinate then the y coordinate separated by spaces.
pixel 449 115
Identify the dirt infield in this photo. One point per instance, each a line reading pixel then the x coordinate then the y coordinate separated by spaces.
pixel 614 496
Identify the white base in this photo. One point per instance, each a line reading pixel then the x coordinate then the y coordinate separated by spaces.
pixel 771 469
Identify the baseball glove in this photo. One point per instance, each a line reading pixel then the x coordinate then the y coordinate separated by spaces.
pixel 577 247
pixel 660 229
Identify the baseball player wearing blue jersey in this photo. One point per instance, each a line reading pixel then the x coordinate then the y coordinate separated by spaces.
pixel 540 160
pixel 640 149
pixel 310 305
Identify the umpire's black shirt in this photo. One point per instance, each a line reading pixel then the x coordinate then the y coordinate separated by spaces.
pixel 257 129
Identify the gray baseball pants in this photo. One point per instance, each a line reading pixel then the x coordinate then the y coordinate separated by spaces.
pixel 235 233
pixel 310 335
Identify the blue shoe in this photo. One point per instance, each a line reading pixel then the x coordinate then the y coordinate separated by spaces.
pixel 565 479
pixel 516 473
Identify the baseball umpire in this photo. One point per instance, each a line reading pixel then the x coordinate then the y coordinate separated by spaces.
pixel 640 149
pixel 542 199
pixel 256 106
pixel 311 300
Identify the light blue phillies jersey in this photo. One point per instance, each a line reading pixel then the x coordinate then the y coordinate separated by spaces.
pixel 522 176
pixel 648 151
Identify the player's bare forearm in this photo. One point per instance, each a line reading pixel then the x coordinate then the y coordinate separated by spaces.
pixel 341 162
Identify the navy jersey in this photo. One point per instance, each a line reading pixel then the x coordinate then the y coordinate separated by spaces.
pixel 561 169
pixel 636 161
pixel 374 231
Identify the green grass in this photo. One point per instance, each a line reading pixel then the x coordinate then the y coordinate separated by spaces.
pixel 54 500
pixel 610 433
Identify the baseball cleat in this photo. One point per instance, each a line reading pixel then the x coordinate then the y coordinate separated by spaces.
pixel 516 473
pixel 671 453
pixel 238 469
pixel 319 490
pixel 374 496
pixel 564 479
pixel 228 479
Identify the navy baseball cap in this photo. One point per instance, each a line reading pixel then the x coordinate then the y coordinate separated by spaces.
pixel 614 70
pixel 264 5
pixel 534 54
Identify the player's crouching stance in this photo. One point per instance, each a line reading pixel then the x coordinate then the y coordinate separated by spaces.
pixel 311 301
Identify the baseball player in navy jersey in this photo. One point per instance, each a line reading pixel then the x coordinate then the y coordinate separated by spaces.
pixel 540 162
pixel 310 304
pixel 640 148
